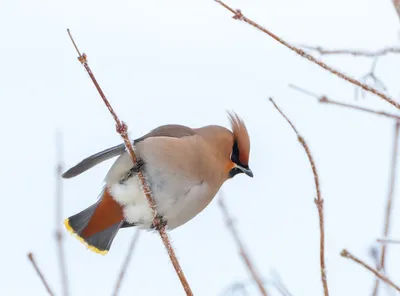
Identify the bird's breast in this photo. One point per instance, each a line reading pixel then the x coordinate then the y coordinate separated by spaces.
pixel 177 199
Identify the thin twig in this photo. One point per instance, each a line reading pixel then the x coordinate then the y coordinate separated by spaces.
pixel 234 288
pixel 242 251
pixel 40 274
pixel 374 253
pixel 238 15
pixel 59 203
pixel 318 201
pixel 371 76
pixel 396 4
pixel 346 254
pixel 326 100
pixel 388 241
pixel 356 53
pixel 126 263
pixel 392 183
pixel 279 284
pixel 122 129
pixel 389 202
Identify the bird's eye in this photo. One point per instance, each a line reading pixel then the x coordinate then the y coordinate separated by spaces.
pixel 235 153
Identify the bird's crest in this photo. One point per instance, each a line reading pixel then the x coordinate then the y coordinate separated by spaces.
pixel 241 137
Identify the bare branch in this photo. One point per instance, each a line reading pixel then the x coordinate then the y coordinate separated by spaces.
pixel 396 4
pixel 346 254
pixel 389 202
pixel 242 251
pixel 388 241
pixel 126 262
pixel 238 15
pixel 371 76
pixel 318 201
pixel 356 53
pixel 392 183
pixel 374 253
pixel 326 100
pixel 278 283
pixel 122 129
pixel 59 204
pixel 40 274
pixel 236 288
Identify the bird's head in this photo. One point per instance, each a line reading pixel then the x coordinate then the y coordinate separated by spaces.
pixel 240 154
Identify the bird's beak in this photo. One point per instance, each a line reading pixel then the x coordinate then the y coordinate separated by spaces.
pixel 247 170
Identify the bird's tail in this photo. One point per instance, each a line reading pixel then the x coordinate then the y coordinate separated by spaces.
pixel 97 225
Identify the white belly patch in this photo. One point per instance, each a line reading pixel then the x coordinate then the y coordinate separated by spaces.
pixel 178 198
pixel 131 197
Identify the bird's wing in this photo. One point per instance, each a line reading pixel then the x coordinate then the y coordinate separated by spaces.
pixel 93 160
pixel 171 130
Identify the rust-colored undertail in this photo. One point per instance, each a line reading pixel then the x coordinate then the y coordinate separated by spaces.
pixel 97 225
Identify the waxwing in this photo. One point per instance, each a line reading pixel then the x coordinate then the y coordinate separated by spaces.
pixel 184 168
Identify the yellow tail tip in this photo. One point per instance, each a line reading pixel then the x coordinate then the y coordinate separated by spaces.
pixel 91 248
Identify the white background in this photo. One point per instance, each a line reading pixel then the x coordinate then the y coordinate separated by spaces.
pixel 186 62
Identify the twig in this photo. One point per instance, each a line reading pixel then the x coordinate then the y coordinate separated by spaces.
pixel 346 254
pixel 239 288
pixel 356 53
pixel 40 274
pixel 280 285
pixel 388 241
pixel 389 202
pixel 392 183
pixel 326 100
pixel 238 15
pixel 378 83
pixel 122 129
pixel 59 202
pixel 242 251
pixel 396 4
pixel 318 201
pixel 374 253
pixel 126 263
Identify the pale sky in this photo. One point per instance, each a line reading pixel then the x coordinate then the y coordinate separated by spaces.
pixel 187 62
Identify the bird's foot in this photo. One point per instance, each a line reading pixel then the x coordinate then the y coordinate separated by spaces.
pixel 133 171
pixel 158 223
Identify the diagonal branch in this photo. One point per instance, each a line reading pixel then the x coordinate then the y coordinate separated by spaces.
pixel 126 263
pixel 318 201
pixel 122 129
pixel 242 251
pixel 396 4
pixel 59 203
pixel 346 254
pixel 388 241
pixel 356 53
pixel 238 15
pixel 326 100
pixel 389 203
pixel 40 274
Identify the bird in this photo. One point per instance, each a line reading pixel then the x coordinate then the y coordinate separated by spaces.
pixel 184 169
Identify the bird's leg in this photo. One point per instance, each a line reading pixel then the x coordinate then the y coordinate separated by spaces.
pixel 158 223
pixel 133 171
pixel 137 167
